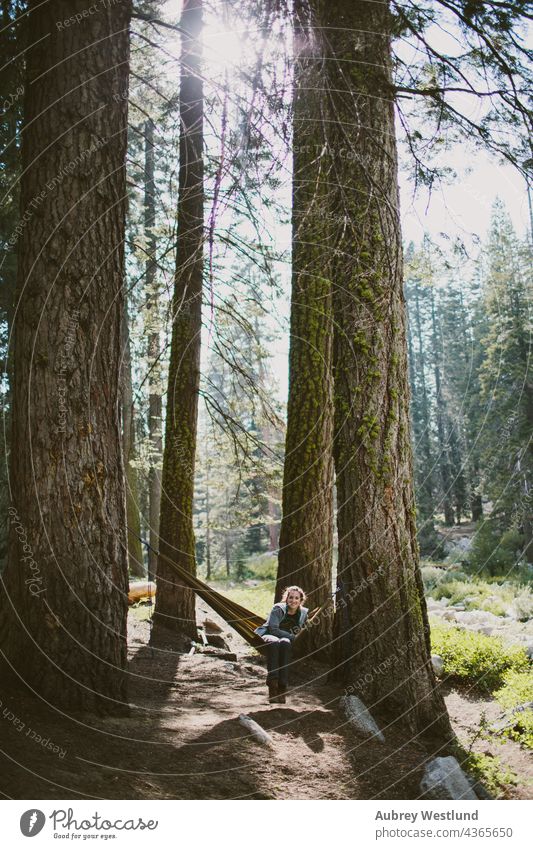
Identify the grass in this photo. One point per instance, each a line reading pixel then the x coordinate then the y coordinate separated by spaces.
pixel 259 599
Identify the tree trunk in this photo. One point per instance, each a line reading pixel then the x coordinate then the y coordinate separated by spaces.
pixel 155 400
pixel 444 462
pixel 425 444
pixel 383 625
pixel 64 592
pixel 207 527
pixel 175 603
pixel 133 517
pixel 306 533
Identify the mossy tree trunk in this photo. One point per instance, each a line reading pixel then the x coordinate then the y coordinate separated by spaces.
pixel 306 533
pixel 385 650
pixel 64 592
pixel 175 603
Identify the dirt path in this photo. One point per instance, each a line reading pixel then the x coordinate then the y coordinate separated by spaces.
pixel 182 739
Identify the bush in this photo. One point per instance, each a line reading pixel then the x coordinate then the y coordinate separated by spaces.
pixel 523 605
pixel 476 659
pixel 430 542
pixel 495 553
pixel 456 591
pixel 489 771
pixel 518 690
pixel 432 576
pixel 263 567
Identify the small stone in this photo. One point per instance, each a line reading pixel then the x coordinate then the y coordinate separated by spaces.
pixel 449 615
pixel 438 665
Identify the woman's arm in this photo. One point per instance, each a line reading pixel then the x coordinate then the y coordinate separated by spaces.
pixel 273 623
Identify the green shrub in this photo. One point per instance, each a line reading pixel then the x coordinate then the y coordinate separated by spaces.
pixel 430 542
pixel 264 567
pixel 455 590
pixel 432 576
pixel 476 658
pixel 492 552
pixel 488 770
pixel 523 605
pixel 518 690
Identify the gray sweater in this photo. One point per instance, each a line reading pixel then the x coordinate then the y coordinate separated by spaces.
pixel 271 626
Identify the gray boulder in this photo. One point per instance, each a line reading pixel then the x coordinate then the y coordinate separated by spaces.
pixel 444 779
pixel 360 717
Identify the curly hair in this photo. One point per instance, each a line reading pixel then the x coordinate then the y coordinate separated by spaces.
pixel 295 589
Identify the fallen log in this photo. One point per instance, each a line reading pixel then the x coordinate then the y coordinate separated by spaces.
pixel 140 590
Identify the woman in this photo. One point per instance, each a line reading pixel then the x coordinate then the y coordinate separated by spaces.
pixel 278 632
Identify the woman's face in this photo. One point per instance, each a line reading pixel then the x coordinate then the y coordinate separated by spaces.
pixel 293 600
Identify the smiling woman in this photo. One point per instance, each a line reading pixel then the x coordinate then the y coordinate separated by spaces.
pixel 286 620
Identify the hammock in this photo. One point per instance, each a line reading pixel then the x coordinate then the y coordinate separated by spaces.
pixel 238 617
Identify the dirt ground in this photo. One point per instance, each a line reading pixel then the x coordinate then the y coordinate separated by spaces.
pixel 183 739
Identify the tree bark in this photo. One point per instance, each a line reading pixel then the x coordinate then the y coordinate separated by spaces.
pixel 382 619
pixel 444 461
pixel 306 533
pixel 175 603
pixel 155 399
pixel 64 592
pixel 133 517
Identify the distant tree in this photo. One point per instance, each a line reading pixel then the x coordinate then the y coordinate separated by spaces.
pixel 506 385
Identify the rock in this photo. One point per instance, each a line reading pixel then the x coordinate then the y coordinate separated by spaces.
pixel 479 789
pixel 528 648
pixel 220 655
pixel 437 604
pixel 361 719
pixel 459 606
pixel 485 629
pixel 259 734
pixel 218 641
pixel 437 664
pixel 444 779
pixel 211 627
pixel 449 615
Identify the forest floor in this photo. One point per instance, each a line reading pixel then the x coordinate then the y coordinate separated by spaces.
pixel 183 739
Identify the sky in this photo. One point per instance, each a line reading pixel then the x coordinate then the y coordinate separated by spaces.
pixel 459 210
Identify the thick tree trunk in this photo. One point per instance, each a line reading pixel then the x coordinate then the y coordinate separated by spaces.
pixel 175 603
pixel 133 516
pixel 155 400
pixel 382 617
pixel 64 593
pixel 306 533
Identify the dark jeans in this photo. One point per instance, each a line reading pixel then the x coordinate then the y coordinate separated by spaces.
pixel 278 658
